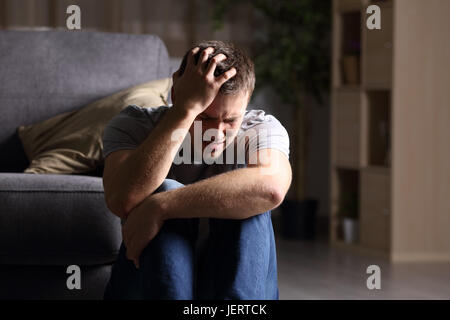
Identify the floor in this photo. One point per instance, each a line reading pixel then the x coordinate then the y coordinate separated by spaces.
pixel 314 270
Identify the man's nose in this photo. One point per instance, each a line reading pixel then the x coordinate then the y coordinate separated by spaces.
pixel 219 134
pixel 221 131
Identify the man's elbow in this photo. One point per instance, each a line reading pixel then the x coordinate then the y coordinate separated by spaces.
pixel 278 190
pixel 117 207
pixel 276 196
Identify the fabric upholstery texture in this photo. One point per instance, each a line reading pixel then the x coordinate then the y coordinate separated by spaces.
pixel 45 282
pixel 56 220
pixel 72 142
pixel 48 222
pixel 46 73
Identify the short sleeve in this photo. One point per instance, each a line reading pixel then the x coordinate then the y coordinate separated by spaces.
pixel 269 135
pixel 128 129
pixel 263 131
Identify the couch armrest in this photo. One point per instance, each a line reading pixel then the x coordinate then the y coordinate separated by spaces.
pixel 56 220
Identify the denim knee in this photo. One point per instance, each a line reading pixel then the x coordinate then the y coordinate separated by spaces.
pixel 169 184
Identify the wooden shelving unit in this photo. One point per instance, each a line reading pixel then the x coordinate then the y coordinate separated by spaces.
pixel 377 92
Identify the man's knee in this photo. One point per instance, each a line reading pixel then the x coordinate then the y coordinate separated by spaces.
pixel 257 226
pixel 169 184
pixel 175 228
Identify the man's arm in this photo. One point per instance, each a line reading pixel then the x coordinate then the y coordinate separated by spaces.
pixel 237 194
pixel 131 176
pixel 128 182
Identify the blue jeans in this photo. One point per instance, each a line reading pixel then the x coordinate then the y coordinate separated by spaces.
pixel 238 262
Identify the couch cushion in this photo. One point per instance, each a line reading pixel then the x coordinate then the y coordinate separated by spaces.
pixel 45 73
pixel 55 220
pixel 72 142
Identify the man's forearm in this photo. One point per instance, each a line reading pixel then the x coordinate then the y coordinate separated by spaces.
pixel 150 163
pixel 237 194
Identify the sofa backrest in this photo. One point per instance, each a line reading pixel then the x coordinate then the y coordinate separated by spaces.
pixel 44 73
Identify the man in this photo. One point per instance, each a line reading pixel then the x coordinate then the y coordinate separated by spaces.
pixel 162 202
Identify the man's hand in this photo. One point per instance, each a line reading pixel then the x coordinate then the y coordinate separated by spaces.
pixel 142 225
pixel 197 87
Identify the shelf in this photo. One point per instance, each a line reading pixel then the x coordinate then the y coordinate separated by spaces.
pixel 344 167
pixel 348 5
pixel 348 88
pixel 376 87
pixel 350 52
pixel 374 169
pixel 375 215
pixel 379 128
pixel 377 47
pixel 347 198
pixel 380 118
pixel 379 2
pixel 347 128
pixel 377 169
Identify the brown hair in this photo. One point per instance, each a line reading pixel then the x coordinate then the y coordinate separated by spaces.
pixel 243 81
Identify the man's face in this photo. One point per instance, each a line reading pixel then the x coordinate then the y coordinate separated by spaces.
pixel 220 121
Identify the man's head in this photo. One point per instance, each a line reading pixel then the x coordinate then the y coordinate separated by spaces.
pixel 225 114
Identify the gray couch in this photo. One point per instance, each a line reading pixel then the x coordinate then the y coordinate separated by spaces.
pixel 48 222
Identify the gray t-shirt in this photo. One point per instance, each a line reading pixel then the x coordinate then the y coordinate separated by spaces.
pixel 258 131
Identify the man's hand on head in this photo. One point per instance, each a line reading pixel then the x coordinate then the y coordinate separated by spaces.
pixel 196 88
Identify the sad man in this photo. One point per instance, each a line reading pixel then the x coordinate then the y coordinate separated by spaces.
pixel 199 229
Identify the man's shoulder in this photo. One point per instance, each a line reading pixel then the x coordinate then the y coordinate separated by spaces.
pixel 257 117
pixel 134 118
pixel 264 131
pixel 129 128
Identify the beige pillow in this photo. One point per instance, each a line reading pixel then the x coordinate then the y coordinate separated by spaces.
pixel 72 142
